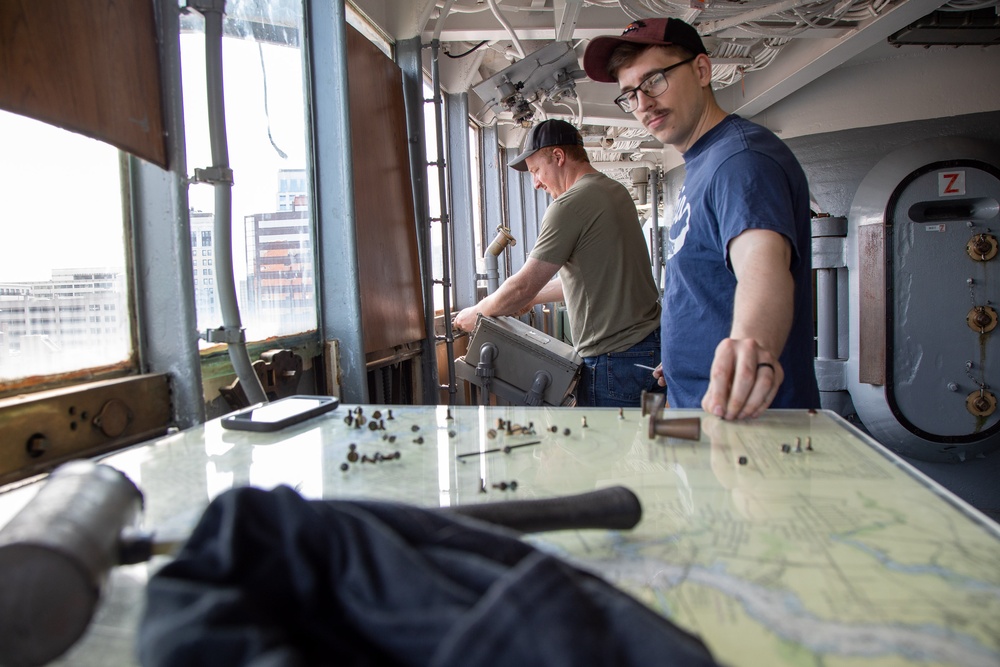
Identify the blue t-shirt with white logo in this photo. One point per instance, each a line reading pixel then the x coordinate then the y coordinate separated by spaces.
pixel 739 176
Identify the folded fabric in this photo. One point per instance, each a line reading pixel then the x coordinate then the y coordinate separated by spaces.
pixel 268 578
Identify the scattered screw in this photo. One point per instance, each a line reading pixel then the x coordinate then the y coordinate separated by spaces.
pixel 584 421
pixel 743 460
pixel 451 434
pixel 482 485
pixel 809 444
pixel 381 424
pixel 373 425
pixel 554 428
pixel 352 455
pixel 390 415
pixel 448 415
pixel 377 415
pixel 502 486
pixel 415 428
pixel 566 431
pixel 621 413
pixel 419 440
pixel 798 444
pixel 491 434
pixel 344 467
pixel 348 419
pixel 785 447
pixel 392 438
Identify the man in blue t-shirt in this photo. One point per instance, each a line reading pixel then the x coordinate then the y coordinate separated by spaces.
pixel 737 305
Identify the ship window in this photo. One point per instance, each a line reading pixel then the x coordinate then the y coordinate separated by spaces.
pixel 272 219
pixel 434 195
pixel 475 141
pixel 74 238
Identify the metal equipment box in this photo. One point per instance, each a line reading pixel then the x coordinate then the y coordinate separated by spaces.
pixel 522 354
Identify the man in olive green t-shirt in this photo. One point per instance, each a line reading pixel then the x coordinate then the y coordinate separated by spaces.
pixel 592 238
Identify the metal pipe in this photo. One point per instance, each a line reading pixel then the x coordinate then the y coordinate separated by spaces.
pixel 826 313
pixel 232 328
pixel 485 369
pixel 654 186
pixel 502 239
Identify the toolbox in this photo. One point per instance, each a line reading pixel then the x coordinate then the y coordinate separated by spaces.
pixel 522 352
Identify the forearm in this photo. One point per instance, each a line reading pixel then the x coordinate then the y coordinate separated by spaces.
pixel 512 296
pixel 763 309
pixel 551 293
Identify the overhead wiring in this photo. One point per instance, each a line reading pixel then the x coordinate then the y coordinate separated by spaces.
pixel 465 53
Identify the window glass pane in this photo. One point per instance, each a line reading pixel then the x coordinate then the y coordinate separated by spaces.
pixel 63 288
pixel 266 131
pixel 475 138
pixel 433 195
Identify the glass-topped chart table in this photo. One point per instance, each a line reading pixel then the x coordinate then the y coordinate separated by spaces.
pixel 790 540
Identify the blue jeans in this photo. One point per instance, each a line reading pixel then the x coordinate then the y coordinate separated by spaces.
pixel 613 380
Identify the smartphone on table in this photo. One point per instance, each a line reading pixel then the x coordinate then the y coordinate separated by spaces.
pixel 279 414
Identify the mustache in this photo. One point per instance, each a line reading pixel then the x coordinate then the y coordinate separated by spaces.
pixel 650 117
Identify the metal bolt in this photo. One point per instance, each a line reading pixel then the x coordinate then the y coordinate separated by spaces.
pixel 37 445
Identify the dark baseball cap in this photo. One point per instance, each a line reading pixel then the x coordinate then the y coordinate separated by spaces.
pixel 552 132
pixel 658 32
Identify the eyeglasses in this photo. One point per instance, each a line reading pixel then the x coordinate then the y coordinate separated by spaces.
pixel 653 85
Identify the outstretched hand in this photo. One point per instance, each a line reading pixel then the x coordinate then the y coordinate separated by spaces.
pixel 743 381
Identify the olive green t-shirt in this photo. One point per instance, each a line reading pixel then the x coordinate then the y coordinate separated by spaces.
pixel 593 233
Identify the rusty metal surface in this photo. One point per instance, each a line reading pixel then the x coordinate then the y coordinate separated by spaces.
pixel 44 429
